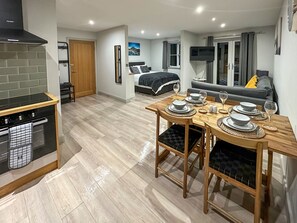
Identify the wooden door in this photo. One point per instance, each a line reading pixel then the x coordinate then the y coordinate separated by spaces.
pixel 82 63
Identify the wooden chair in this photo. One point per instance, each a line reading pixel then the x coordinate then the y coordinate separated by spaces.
pixel 181 139
pixel 238 161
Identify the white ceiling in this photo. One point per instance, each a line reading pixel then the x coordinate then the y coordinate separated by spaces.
pixel 168 17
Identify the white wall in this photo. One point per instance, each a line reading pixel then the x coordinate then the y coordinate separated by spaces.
pixel 265 49
pixel 157 54
pixel 65 34
pixel 189 69
pixel 285 80
pixel 145 51
pixel 106 40
pixel 40 19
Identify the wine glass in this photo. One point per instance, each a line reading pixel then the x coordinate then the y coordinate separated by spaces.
pixel 176 88
pixel 223 96
pixel 270 108
pixel 203 96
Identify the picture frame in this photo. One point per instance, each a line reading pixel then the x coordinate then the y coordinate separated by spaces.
pixel 133 49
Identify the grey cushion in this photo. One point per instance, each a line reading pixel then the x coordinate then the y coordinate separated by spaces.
pixel 144 69
pixel 249 92
pixel 264 82
pixel 134 70
pixel 261 73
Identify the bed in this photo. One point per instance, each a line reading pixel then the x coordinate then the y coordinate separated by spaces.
pixel 152 82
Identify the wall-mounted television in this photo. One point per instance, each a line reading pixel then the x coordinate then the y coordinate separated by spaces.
pixel 202 53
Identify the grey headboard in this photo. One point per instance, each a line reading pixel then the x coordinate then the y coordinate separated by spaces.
pixel 136 63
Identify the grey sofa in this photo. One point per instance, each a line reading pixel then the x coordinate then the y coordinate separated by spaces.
pixel 259 95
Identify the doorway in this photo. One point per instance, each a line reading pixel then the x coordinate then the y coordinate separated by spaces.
pixel 82 63
pixel 227 60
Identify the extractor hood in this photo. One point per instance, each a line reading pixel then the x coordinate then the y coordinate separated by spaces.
pixel 11 24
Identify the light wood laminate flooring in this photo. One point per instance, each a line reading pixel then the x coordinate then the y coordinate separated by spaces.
pixel 107 174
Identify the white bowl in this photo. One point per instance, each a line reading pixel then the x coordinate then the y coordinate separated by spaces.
pixel 178 104
pixel 195 96
pixel 247 106
pixel 240 119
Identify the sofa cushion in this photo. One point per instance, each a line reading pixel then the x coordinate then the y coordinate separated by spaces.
pixel 261 73
pixel 248 92
pixel 264 82
pixel 252 82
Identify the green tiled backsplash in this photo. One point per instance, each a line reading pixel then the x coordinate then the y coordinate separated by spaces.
pixel 22 70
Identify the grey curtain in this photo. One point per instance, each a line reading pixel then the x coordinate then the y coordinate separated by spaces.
pixel 165 61
pixel 246 57
pixel 209 65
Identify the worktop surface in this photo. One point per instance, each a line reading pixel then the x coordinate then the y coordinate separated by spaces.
pixel 23 103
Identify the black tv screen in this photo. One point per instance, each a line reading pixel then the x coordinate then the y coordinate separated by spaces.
pixel 202 53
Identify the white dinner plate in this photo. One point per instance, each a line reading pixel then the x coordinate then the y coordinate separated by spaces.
pixel 185 110
pixel 239 109
pixel 246 128
pixel 191 100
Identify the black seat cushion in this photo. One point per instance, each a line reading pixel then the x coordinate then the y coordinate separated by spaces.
pixel 175 137
pixel 235 162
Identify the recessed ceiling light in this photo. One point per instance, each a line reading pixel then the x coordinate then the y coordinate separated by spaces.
pixel 214 19
pixel 142 31
pixel 91 22
pixel 199 9
pixel 223 25
pixel 158 34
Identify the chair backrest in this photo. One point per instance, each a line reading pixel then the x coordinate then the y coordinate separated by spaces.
pixel 175 119
pixel 252 144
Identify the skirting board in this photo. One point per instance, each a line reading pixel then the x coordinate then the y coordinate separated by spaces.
pixel 115 97
pixel 28 178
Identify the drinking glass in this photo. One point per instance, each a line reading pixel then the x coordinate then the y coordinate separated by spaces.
pixel 176 88
pixel 203 96
pixel 223 96
pixel 270 108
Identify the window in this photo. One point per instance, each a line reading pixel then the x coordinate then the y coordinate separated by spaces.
pixel 174 55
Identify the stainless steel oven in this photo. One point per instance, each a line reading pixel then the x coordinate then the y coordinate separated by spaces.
pixel 43 133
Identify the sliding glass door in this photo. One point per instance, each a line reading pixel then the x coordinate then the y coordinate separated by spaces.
pixel 226 64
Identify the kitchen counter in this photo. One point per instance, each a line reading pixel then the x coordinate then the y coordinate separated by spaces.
pixel 25 103
pixel 16 166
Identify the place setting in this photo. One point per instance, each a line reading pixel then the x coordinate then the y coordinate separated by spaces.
pixel 250 109
pixel 198 100
pixel 180 108
pixel 241 125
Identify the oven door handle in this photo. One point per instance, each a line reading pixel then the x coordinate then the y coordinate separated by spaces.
pixel 4 131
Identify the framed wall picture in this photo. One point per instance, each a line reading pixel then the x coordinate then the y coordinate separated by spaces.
pixel 134 49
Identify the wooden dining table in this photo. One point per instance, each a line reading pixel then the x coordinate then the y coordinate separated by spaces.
pixel 282 141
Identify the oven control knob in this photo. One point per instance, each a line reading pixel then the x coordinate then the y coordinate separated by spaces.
pixel 33 114
pixel 6 121
pixel 20 117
